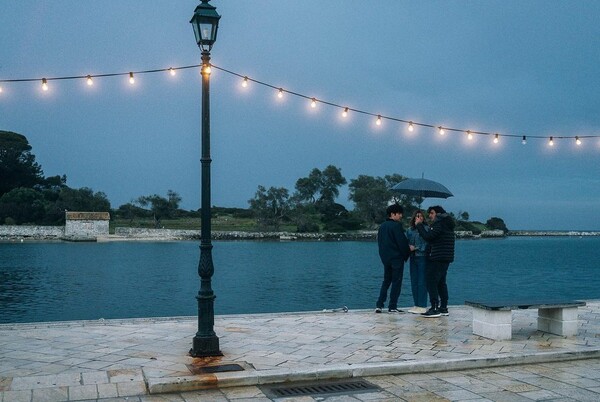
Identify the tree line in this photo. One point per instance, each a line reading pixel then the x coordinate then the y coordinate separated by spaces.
pixel 312 207
pixel 28 197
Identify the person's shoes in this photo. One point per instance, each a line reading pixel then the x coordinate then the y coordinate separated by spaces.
pixel 417 310
pixel 432 313
pixel 378 310
pixel 444 311
pixel 395 310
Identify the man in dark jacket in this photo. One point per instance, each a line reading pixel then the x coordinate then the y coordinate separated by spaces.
pixel 440 237
pixel 393 251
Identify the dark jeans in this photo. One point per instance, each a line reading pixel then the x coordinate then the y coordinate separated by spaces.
pixel 418 281
pixel 392 275
pixel 436 283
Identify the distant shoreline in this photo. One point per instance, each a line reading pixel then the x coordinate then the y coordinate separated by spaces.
pixel 580 233
pixel 33 233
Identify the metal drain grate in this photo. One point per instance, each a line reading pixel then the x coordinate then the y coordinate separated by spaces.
pixel 340 387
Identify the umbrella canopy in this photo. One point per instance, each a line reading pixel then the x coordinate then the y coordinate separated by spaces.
pixel 422 188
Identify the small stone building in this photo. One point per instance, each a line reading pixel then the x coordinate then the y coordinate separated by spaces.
pixel 86 224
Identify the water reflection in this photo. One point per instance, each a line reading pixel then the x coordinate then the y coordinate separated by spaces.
pixel 67 281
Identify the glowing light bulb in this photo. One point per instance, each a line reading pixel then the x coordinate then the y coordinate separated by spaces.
pixel 313 102
pixel 378 122
pixel 577 140
pixel 345 112
pixel 131 79
pixel 469 134
pixel 411 127
pixel 44 84
pixel 551 141
pixel 172 71
pixel 441 130
pixel 524 140
pixel 280 93
pixel 0 90
pixel 496 138
pixel 90 82
pixel 206 69
pixel 245 82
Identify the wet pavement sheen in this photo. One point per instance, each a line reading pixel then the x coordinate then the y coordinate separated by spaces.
pixel 410 357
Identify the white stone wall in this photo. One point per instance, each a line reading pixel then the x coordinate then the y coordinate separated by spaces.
pixel 156 233
pixel 31 232
pixel 83 225
pixel 86 228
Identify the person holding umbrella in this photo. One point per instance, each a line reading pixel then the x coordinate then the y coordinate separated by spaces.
pixel 393 251
pixel 440 237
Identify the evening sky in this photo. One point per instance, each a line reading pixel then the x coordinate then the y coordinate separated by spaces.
pixel 509 67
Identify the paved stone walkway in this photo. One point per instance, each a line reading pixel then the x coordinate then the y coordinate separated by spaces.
pixel 410 357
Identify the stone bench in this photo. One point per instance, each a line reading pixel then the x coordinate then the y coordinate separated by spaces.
pixel 493 319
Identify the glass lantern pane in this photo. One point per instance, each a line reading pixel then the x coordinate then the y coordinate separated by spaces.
pixel 196 33
pixel 206 31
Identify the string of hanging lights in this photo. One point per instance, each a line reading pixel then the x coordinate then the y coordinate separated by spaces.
pixel 281 92
pixel 89 77
pixel 411 124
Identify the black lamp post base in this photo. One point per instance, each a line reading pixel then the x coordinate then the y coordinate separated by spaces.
pixel 205 346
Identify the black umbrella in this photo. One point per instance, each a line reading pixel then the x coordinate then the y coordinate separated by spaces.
pixel 422 188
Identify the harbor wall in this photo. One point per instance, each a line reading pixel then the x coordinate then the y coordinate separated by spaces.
pixel 100 233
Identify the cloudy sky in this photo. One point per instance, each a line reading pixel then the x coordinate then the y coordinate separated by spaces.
pixel 509 67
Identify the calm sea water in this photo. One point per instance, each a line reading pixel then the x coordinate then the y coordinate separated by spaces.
pixel 73 281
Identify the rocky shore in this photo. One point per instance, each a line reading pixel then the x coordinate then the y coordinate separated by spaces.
pixel 170 234
pixel 553 233
pixel 45 233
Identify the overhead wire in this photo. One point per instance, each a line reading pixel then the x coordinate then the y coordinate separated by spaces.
pixel 314 101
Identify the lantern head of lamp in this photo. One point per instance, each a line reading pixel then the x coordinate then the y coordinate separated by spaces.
pixel 205 22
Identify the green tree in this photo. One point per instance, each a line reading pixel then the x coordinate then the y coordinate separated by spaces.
pixel 307 188
pixel 130 211
pixel 314 200
pixel 82 199
pixel 331 181
pixel 320 186
pixel 370 196
pixel 337 218
pixel 496 224
pixel 54 183
pixel 33 198
pixel 305 216
pixel 402 199
pixel 270 206
pixel 174 201
pixel 161 208
pixel 18 167
pixel 48 206
pixel 22 205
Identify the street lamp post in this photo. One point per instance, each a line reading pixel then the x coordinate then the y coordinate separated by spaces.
pixel 206 343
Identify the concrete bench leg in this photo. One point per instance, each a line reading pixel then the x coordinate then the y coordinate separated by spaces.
pixel 559 321
pixel 493 324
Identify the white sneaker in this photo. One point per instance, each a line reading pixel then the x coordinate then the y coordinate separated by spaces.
pixel 417 310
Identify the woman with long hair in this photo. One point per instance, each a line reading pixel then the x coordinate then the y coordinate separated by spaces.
pixel 418 260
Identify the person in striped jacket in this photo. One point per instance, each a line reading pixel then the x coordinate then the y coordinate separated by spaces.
pixel 440 237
